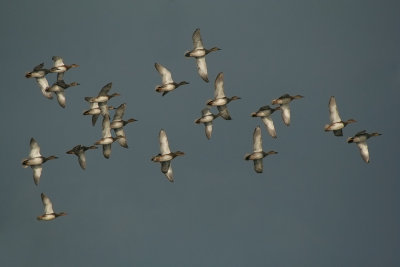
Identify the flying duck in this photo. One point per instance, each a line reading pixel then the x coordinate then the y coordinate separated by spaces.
pixel 35 160
pixel 265 114
pixel 167 83
pixel 206 118
pixel 39 73
pixel 220 100
pixel 166 156
pixel 258 153
pixel 199 53
pixel 49 213
pixel 58 88
pixel 79 151
pixel 361 140
pixel 118 124
pixel 60 68
pixel 106 139
pixel 284 101
pixel 336 124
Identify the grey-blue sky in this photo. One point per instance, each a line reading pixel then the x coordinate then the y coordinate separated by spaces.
pixel 316 204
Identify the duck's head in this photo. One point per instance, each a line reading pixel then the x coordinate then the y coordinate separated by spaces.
pixel 74 84
pixel 375 134
pixel 187 54
pixel 28 75
pixel 247 156
pixel 253 114
pixel 73 66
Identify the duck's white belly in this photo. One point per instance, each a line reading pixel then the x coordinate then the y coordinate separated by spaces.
pixel 198 53
pixel 38 74
pixel 48 217
pixel 207 118
pixel 106 141
pixel 34 161
pixel 99 99
pixel 256 155
pixel 219 102
pixel 116 124
pixel 263 113
pixel 336 126
pixel 359 139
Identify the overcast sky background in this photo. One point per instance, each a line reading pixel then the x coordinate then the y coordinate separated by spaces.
pixel 316 204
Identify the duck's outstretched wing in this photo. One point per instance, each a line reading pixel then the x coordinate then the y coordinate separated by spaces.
pixel 166 76
pixel 35 149
pixel 258 165
pixel 364 151
pixel 104 91
pixel 257 141
pixel 164 146
pixel 197 42
pixel 269 124
pixel 166 168
pixel 333 111
pixel 48 206
pixel 43 85
pixel 202 68
pixel 37 172
pixel 219 86
pixel 285 108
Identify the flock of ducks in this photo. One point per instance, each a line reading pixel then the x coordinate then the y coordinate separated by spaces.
pixel 99 106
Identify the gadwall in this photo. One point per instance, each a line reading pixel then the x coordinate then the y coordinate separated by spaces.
pixel 39 73
pixel 206 118
pixel 167 83
pixel 336 124
pixel 107 138
pixel 60 68
pixel 220 100
pixel 35 160
pixel 58 88
pixel 102 98
pixel 265 114
pixel 283 102
pixel 79 151
pixel 49 213
pixel 118 124
pixel 199 53
pixel 361 140
pixel 166 156
pixel 258 153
